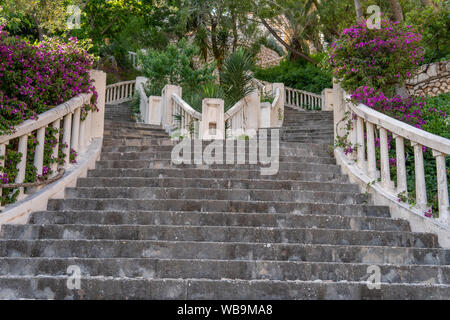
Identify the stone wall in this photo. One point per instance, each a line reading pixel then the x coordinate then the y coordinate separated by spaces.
pixel 267 58
pixel 431 79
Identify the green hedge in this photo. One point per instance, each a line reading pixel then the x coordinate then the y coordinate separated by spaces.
pixel 303 76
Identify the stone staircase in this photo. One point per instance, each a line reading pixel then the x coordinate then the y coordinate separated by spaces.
pixel 139 227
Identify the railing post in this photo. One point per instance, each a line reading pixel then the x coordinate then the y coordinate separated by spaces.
pixel 39 153
pixel 421 189
pixel 22 165
pixel 75 135
pixel 66 137
pixel 401 164
pixel 2 163
pixel 213 119
pixel 361 143
pixel 54 166
pixel 371 156
pixel 444 214
pixel 384 159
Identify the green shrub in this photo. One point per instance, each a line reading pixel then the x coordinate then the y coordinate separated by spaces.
pixel 298 75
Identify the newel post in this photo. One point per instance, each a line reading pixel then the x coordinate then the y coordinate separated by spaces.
pixel 277 112
pixel 213 119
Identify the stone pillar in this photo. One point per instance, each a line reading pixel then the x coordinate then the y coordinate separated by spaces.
pixel 252 110
pixel 277 112
pixel 213 123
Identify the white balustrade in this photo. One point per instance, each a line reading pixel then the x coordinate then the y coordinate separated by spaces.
pixel 120 92
pixel 419 139
pixel 302 100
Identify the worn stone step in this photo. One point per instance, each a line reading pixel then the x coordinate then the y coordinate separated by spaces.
pixel 138 142
pixel 168 156
pixel 196 289
pixel 130 125
pixel 222 269
pixel 300 152
pixel 162 193
pixel 279 220
pixel 218 206
pixel 217 184
pixel 157 164
pixel 254 174
pixel 223 251
pixel 220 234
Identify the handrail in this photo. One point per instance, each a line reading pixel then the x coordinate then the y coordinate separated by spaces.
pixel 277 97
pixel 77 135
pixel 402 129
pixel 47 117
pixel 120 92
pixel 234 109
pixel 362 138
pixel 186 107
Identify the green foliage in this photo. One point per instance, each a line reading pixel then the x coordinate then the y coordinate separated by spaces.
pixel 236 76
pixel 135 106
pixel 435 28
pixel 298 75
pixel 437 115
pixel 175 65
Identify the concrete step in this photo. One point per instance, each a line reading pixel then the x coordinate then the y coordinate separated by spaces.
pixel 276 196
pixel 203 205
pixel 194 289
pixel 147 268
pixel 168 156
pixel 223 251
pixel 158 164
pixel 130 125
pixel 254 174
pixel 220 234
pixel 278 220
pixel 217 184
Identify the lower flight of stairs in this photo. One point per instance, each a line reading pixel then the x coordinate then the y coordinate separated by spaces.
pixel 139 227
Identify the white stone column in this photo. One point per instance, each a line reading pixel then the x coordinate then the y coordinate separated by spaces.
pixel 54 166
pixel 75 136
pixel 22 165
pixel 39 152
pixel 361 143
pixel 2 163
pixel 444 214
pixel 401 164
pixel 384 159
pixel 421 189
pixel 66 137
pixel 252 109
pixel 277 112
pixel 371 155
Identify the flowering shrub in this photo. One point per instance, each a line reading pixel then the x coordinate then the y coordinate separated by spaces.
pixel 377 58
pixel 36 78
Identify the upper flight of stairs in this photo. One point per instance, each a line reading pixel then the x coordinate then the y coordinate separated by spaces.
pixel 140 227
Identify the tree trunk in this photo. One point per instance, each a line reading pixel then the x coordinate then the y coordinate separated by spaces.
pixel 396 9
pixel 288 47
pixel 38 28
pixel 359 12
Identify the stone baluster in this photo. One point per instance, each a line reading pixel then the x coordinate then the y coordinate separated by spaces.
pixel 421 190
pixel 371 156
pixel 444 214
pixel 22 165
pixel 401 164
pixel 39 152
pixel 2 163
pixel 384 159
pixel 66 137
pixel 75 137
pixel 361 143
pixel 55 125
